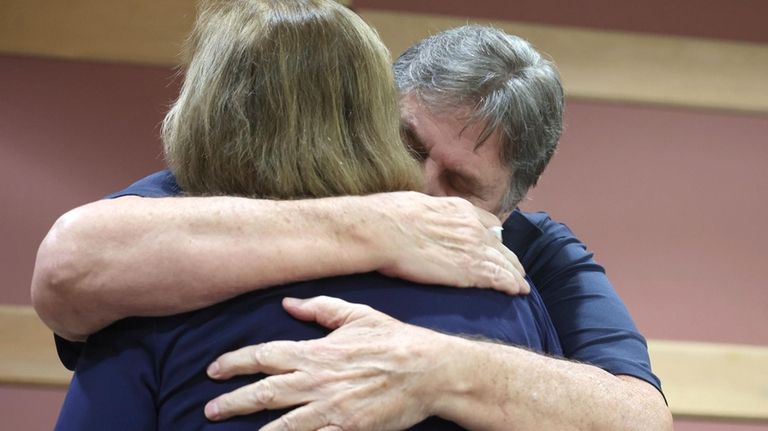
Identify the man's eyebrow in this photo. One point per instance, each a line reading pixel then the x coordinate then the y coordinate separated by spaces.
pixel 467 177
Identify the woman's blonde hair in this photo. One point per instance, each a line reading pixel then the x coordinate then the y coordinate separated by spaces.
pixel 286 99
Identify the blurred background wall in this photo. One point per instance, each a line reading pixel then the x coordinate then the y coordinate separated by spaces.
pixel 661 171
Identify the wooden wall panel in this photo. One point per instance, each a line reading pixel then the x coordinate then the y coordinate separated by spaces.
pixel 596 65
pixel 701 380
pixel 615 66
pixel 713 381
pixel 136 31
pixel 28 353
pixel 742 20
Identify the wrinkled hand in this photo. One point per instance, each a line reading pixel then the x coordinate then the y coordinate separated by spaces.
pixel 445 240
pixel 372 373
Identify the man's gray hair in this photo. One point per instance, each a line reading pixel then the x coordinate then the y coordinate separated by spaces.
pixel 504 81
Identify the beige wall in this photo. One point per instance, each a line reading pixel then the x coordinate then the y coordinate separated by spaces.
pixel 673 203
pixel 671 200
pixel 70 132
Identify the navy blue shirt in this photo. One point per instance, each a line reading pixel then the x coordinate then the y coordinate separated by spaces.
pixel 593 324
pixel 149 373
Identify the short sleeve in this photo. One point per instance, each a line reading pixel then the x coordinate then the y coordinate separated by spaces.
pixel 158 185
pixel 115 383
pixel 592 322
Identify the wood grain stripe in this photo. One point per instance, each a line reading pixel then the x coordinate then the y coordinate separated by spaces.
pixel 713 381
pixel 700 380
pixel 27 351
pixel 625 67
pixel 595 65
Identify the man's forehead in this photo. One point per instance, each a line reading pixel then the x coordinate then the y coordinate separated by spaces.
pixel 472 133
pixel 415 113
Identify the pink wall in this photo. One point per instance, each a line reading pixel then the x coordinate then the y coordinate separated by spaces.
pixel 670 200
pixel 673 204
pixel 70 133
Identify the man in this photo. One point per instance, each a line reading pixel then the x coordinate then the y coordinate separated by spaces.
pixel 484 111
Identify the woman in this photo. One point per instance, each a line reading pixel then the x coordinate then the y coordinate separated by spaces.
pixel 282 99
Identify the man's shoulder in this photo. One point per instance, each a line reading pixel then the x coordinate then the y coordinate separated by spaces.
pixel 540 221
pixel 157 185
pixel 546 247
pixel 526 230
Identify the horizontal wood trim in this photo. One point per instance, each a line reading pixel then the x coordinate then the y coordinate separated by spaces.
pixel 713 381
pixel 701 380
pixel 27 351
pixel 136 31
pixel 624 67
pixel 595 65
